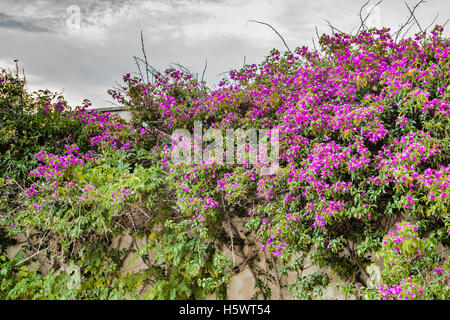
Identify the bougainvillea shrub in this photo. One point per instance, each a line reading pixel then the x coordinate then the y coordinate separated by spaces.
pixel 363 176
pixel 413 269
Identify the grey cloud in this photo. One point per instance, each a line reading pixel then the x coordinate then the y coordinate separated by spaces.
pixel 7 21
pixel 50 16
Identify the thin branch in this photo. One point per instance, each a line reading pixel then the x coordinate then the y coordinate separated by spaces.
pixel 402 26
pixel 370 12
pixel 332 27
pixel 317 33
pixel 16 61
pixel 318 39
pixel 145 55
pixel 361 18
pixel 26 259
pixel 139 68
pixel 185 70
pixel 314 43
pixel 204 69
pixel 230 230
pixel 224 72
pixel 437 15
pixel 407 30
pixel 264 23
pixel 412 13
pixel 280 287
pixel 152 70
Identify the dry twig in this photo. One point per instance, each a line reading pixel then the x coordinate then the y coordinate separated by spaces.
pixel 264 23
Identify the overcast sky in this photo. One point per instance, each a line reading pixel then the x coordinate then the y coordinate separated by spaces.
pixel 85 54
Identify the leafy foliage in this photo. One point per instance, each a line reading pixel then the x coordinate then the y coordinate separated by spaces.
pixel 364 144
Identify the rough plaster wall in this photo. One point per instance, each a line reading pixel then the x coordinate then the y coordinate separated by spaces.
pixel 41 262
pixel 241 286
pixel 124 114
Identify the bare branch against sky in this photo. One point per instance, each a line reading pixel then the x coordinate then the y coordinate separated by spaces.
pixel 85 46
